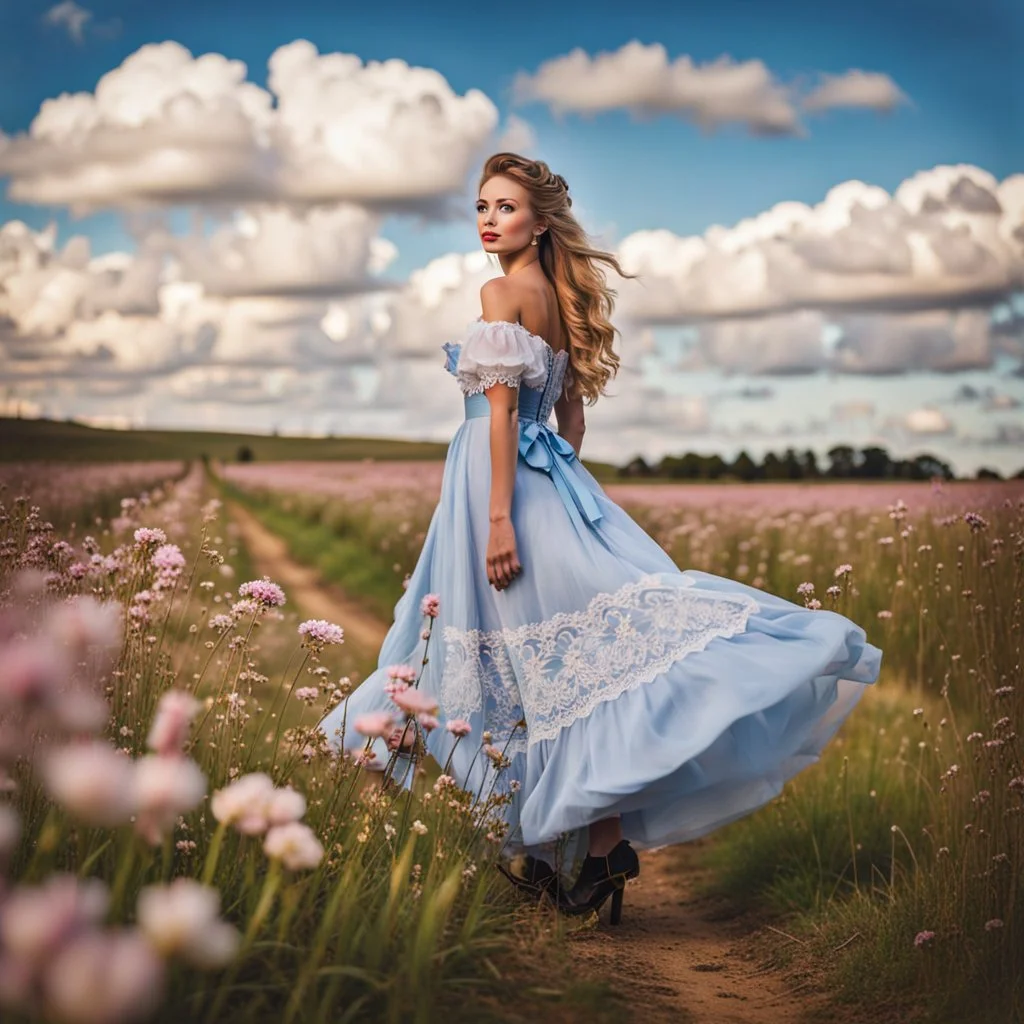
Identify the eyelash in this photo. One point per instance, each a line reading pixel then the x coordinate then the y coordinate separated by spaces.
pixel 502 207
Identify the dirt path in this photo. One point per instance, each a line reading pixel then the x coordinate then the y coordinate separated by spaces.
pixel 682 958
pixel 677 957
pixel 364 632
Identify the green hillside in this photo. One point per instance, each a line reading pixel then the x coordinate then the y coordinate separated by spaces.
pixel 60 441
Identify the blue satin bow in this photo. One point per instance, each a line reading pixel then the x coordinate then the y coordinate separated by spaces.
pixel 548 451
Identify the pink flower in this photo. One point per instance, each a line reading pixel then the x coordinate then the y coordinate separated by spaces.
pixel 32 670
pixel 105 976
pixel 458 727
pixel 307 694
pixel 38 918
pixel 243 803
pixel 295 845
pixel 146 536
pixel 403 673
pixel 991 926
pixel 374 723
pixel 183 918
pixel 414 701
pixel 923 938
pixel 264 592
pixel 169 560
pixel 427 721
pixel 285 805
pixel 165 787
pixel 85 623
pixel 91 780
pixel 320 632
pixel 174 714
pixel 430 605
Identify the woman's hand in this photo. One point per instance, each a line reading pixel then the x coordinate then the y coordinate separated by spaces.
pixel 502 558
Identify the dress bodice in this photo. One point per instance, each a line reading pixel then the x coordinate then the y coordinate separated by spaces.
pixel 501 350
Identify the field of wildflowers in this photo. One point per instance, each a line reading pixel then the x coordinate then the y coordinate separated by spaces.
pixel 897 859
pixel 177 842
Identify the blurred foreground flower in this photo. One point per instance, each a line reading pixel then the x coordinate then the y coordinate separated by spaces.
pixel 183 919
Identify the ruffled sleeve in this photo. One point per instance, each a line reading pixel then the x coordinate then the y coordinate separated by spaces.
pixel 496 351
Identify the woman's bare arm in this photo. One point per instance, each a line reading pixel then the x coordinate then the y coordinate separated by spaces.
pixel 499 303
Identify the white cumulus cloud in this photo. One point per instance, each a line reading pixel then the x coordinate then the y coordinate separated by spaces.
pixel 169 127
pixel 641 78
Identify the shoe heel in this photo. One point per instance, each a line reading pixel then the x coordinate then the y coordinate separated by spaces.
pixel 616 912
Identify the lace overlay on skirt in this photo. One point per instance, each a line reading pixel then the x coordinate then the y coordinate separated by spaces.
pixel 554 672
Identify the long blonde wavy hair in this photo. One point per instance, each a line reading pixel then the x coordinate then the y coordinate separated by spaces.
pixel 585 301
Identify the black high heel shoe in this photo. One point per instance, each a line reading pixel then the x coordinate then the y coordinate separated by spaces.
pixel 532 877
pixel 599 878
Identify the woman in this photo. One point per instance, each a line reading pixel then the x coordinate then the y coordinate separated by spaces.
pixel 658 704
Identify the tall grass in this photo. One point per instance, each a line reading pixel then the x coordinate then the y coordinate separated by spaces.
pixel 903 850
pixel 395 911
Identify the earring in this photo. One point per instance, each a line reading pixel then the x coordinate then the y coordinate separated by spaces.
pixel 534 240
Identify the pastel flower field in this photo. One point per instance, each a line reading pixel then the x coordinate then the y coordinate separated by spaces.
pixel 912 823
pixel 178 842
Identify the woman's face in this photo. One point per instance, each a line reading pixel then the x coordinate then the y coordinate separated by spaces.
pixel 504 220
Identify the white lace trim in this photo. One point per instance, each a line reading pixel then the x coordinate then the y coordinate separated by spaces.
pixel 498 350
pixel 554 672
pixel 474 383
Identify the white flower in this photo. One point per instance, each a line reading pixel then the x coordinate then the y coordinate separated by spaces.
pixel 295 845
pixel 37 918
pixel 84 622
pixel 165 787
pixel 285 805
pixel 174 714
pixel 418 827
pixel 103 977
pixel 244 803
pixel 183 918
pixel 93 781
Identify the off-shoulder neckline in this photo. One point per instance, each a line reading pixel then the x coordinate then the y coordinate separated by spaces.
pixel 515 323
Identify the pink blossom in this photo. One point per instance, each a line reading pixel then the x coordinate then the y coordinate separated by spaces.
pixel 403 673
pixel 264 592
pixel 146 536
pixel 168 559
pixel 320 632
pixel 415 701
pixel 102 977
pixel 295 845
pixel 37 919
pixel 430 605
pixel 923 938
pixel 165 787
pixel 374 723
pixel 427 721
pixel 307 694
pixel 91 780
pixel 32 670
pixel 991 926
pixel 243 803
pixel 458 727
pixel 285 805
pixel 183 918
pixel 221 623
pixel 174 714
pixel 84 623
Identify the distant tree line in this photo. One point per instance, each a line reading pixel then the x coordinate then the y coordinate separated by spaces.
pixel 843 463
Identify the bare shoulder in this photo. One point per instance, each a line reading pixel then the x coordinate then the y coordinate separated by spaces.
pixel 500 299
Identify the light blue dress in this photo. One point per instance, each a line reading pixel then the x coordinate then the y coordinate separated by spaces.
pixel 679 700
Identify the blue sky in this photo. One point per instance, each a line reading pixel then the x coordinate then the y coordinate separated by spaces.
pixel 954 64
